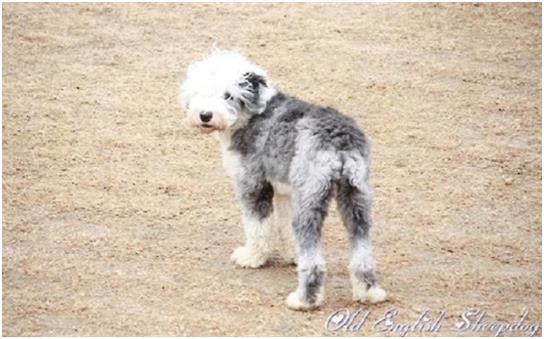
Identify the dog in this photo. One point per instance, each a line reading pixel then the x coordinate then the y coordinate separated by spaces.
pixel 288 157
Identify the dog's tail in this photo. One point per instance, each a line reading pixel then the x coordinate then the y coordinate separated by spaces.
pixel 355 171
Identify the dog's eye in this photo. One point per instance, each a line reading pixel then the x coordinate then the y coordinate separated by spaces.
pixel 227 96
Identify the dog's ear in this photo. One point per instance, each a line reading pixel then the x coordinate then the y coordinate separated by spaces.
pixel 251 86
pixel 255 80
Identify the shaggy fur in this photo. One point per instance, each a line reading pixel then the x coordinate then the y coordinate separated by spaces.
pixel 289 157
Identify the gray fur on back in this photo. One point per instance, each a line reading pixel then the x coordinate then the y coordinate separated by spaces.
pixel 269 141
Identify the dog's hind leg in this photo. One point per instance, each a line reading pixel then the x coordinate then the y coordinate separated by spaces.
pixel 311 201
pixel 354 200
pixel 256 199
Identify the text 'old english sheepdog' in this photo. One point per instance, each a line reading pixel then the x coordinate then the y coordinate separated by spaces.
pixel 287 159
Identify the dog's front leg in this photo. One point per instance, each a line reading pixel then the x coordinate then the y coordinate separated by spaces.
pixel 256 200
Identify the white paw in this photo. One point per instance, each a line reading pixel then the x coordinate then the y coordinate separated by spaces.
pixel 294 302
pixel 374 295
pixel 245 257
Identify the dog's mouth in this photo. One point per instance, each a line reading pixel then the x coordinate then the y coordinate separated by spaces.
pixel 206 128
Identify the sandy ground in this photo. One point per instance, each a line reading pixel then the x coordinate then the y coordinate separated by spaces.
pixel 118 220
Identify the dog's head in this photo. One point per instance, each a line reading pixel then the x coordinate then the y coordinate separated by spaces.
pixel 222 89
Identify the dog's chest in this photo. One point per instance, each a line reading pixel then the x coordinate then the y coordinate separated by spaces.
pixel 232 162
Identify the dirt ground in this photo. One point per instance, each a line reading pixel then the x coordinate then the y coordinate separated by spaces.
pixel 119 220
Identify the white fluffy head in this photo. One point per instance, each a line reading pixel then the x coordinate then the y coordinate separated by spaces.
pixel 223 88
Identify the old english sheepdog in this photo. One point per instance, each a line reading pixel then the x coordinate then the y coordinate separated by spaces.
pixel 287 159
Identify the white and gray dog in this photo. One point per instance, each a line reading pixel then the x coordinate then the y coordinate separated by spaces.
pixel 288 157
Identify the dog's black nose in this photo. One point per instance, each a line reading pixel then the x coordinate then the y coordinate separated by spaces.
pixel 206 116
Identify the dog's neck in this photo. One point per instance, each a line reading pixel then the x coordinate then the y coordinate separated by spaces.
pixel 225 136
